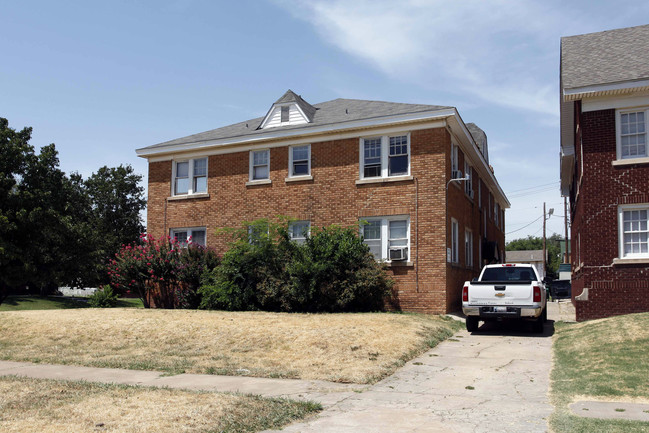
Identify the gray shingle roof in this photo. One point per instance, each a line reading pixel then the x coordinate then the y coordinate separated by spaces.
pixel 480 137
pixel 606 57
pixel 326 113
pixel 524 256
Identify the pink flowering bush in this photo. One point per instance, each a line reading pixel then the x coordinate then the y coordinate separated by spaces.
pixel 162 272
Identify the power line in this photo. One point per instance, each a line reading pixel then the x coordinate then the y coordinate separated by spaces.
pixel 514 231
pixel 537 186
pixel 523 194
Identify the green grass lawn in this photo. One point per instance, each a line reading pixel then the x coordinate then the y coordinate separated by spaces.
pixel 21 303
pixel 605 359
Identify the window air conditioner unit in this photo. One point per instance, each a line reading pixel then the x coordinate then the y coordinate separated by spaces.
pixel 399 253
pixel 457 174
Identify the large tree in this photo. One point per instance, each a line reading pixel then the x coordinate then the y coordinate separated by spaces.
pixel 57 229
pixel 116 199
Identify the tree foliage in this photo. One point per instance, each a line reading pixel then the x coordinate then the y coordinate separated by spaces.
pixel 264 270
pixel 553 246
pixel 54 228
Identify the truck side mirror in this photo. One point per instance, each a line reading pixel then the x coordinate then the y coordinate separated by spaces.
pixel 474 279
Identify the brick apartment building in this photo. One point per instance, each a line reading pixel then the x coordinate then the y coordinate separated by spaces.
pixel 343 162
pixel 605 168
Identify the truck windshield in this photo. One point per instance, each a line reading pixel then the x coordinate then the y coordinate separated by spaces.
pixel 509 273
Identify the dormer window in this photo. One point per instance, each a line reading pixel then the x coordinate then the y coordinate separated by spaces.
pixel 291 110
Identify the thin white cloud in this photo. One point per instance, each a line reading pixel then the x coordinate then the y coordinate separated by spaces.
pixel 498 51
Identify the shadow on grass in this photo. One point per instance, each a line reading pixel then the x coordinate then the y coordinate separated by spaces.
pixel 23 303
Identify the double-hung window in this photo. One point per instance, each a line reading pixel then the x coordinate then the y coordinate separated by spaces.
pixel 387 237
pixel 190 177
pixel 259 165
pixel 634 231
pixel 299 161
pixel 632 134
pixel 258 231
pixel 372 157
pixel 496 213
pixel 455 241
pixel 299 230
pixel 385 156
pixel 468 248
pixel 187 236
pixel 455 164
pixel 398 158
pixel 468 184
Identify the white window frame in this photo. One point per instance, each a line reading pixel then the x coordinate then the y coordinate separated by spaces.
pixel 251 238
pixel 620 217
pixel 251 165
pixel 455 241
pixel 302 238
pixel 618 132
pixel 290 161
pixel 468 248
pixel 385 234
pixel 385 156
pixel 468 184
pixel 454 158
pixel 191 177
pixel 190 234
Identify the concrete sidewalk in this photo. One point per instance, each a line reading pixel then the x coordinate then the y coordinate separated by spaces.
pixel 326 393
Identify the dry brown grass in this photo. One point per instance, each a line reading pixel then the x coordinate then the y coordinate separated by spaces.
pixel 46 406
pixel 355 348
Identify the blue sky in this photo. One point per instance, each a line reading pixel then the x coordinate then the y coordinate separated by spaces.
pixel 101 79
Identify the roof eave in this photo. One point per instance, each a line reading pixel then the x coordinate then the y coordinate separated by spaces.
pixel 608 89
pixel 311 129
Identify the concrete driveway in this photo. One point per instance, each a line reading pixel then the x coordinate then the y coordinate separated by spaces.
pixel 495 380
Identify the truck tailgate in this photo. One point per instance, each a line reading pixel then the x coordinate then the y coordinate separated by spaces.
pixel 501 294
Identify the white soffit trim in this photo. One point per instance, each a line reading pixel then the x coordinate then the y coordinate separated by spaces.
pixel 604 103
pixel 281 134
pixel 244 147
pixel 605 89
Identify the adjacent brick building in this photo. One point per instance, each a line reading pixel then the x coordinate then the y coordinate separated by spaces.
pixel 343 162
pixel 605 168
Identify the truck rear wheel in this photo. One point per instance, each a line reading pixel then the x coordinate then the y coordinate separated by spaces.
pixel 472 323
pixel 537 325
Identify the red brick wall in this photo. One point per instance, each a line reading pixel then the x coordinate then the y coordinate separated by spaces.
pixel 333 197
pixel 612 289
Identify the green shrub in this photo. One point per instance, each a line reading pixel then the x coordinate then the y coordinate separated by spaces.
pixel 263 270
pixel 103 298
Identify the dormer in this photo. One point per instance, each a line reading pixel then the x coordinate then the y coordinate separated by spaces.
pixel 290 109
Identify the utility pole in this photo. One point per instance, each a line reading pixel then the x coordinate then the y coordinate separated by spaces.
pixel 566 257
pixel 545 254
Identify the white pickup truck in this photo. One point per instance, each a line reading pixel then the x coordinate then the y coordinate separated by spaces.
pixel 505 291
